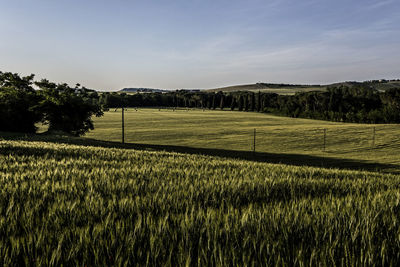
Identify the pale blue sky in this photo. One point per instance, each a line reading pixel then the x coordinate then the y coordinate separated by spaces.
pixel 108 45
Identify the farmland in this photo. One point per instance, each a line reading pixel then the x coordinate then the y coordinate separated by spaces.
pixel 288 89
pixel 271 88
pixel 291 140
pixel 82 205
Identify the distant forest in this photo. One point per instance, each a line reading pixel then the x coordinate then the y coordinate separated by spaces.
pixel 344 103
pixel 25 102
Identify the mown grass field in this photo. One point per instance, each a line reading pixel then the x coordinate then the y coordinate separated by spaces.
pixel 281 90
pixel 94 206
pixel 229 130
pixel 291 91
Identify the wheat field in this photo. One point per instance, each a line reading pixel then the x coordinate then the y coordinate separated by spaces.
pixel 63 204
pixel 234 131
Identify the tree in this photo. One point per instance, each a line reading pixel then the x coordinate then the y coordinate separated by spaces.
pixel 222 102
pixel 246 102
pixel 209 101
pixel 252 101
pixel 391 105
pixel 240 104
pixel 214 102
pixel 233 103
pixel 66 110
pixel 18 103
pixel 13 80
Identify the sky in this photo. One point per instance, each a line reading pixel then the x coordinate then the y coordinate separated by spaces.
pixel 109 45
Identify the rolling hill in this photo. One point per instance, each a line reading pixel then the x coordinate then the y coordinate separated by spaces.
pixel 380 85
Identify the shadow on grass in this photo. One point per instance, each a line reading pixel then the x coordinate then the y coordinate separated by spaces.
pixel 288 159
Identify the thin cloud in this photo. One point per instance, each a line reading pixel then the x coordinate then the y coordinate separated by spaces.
pixel 379 4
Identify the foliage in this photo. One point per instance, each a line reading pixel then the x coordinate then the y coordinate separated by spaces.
pixel 68 109
pixel 18 103
pixel 357 102
pixel 75 205
pixel 64 108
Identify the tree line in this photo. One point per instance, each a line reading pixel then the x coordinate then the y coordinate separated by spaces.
pixel 360 103
pixel 25 102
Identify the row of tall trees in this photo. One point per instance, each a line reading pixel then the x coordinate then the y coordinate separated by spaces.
pixel 347 104
pixel 25 102
pixel 247 101
pixel 60 106
pixel 359 103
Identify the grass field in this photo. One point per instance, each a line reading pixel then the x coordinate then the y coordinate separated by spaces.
pixel 63 204
pixel 281 90
pixel 278 136
pixel 95 202
pixel 291 90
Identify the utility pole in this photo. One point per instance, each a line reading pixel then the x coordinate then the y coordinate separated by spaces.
pixel 254 141
pixel 123 127
pixel 373 137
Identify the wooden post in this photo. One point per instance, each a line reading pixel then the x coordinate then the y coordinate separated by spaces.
pixel 254 141
pixel 123 126
pixel 373 138
pixel 324 139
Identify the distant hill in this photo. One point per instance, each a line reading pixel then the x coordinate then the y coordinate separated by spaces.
pixel 270 87
pixel 143 90
pixel 279 88
pixel 380 85
pixel 386 86
pixel 288 89
pixel 152 90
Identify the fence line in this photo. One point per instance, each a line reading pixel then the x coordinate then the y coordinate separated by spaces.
pixel 340 139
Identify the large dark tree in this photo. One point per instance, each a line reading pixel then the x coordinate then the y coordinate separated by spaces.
pixel 19 110
pixel 391 105
pixel 214 101
pixel 222 102
pixel 233 103
pixel 246 102
pixel 67 109
pixel 252 101
pixel 240 103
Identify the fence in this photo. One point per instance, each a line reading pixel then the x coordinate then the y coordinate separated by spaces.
pixel 338 138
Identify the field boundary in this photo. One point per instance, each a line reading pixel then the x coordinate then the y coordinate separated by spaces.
pixel 275 158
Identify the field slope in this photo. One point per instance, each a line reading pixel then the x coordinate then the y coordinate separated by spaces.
pixel 94 206
pixel 278 139
pixel 291 89
pixel 270 88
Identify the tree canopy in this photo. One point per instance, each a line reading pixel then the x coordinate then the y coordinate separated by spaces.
pixel 63 108
pixel 354 103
